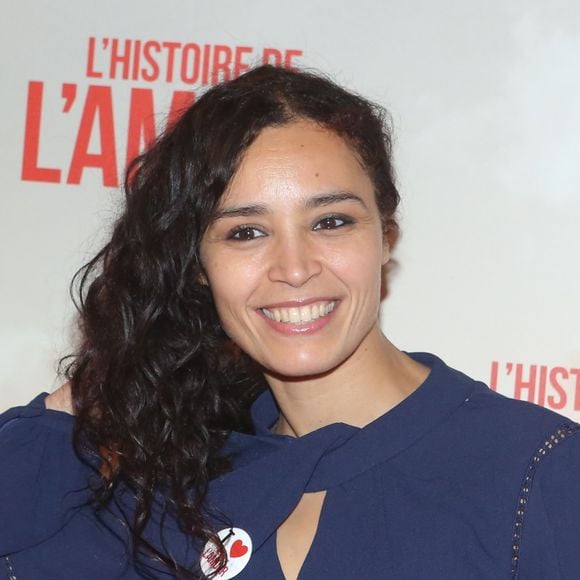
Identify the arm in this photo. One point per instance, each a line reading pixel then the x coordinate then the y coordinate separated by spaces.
pixel 60 400
pixel 550 539
pixel 42 480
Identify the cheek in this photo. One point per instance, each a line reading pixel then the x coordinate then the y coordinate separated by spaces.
pixel 226 307
pixel 359 267
pixel 232 284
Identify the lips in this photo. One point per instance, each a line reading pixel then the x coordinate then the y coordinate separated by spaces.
pixel 300 314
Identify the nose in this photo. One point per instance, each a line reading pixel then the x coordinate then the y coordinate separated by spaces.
pixel 293 262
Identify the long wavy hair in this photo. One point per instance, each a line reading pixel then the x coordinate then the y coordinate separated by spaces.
pixel 156 384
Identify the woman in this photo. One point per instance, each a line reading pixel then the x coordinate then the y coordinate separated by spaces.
pixel 237 410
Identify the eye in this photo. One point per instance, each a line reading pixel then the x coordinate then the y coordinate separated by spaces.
pixel 245 234
pixel 332 222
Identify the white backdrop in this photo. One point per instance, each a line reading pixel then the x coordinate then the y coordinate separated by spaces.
pixel 485 100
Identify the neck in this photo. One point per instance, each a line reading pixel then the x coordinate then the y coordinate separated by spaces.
pixel 375 378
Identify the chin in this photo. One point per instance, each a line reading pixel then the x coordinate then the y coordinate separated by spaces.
pixel 301 368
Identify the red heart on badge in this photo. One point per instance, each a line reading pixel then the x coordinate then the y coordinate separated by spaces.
pixel 238 549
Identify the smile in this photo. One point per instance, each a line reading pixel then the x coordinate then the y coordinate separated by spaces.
pixel 300 314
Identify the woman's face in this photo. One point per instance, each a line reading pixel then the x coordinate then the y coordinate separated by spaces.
pixel 294 255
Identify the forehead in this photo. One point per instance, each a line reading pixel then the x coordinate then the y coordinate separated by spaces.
pixel 296 161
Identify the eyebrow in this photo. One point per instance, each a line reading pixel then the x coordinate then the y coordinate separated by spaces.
pixel 320 200
pixel 241 211
pixel 334 197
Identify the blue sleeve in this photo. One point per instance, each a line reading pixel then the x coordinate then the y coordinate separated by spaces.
pixel 550 536
pixel 42 480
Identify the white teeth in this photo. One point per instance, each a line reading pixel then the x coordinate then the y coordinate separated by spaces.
pixel 306 314
pixel 294 315
pixel 299 315
pixel 315 312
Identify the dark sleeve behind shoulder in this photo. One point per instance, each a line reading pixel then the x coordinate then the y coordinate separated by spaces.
pixel 550 536
pixel 42 480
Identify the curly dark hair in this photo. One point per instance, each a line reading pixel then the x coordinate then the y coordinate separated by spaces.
pixel 156 384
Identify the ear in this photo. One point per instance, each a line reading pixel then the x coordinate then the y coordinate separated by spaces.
pixel 386 248
pixel 201 276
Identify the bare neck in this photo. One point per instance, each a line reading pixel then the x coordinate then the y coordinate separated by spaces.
pixel 372 381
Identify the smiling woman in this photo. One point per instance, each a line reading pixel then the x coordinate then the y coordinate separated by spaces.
pixel 295 267
pixel 234 409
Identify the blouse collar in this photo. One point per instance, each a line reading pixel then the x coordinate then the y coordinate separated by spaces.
pixel 275 470
pixel 350 450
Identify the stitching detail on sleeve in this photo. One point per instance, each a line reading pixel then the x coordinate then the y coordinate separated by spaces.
pixel 560 434
pixel 10 568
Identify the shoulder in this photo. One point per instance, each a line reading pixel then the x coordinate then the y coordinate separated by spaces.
pixel 484 413
pixel 499 436
pixel 33 426
pixel 525 459
pixel 481 417
pixel 547 523
pixel 511 415
pixel 37 412
pixel 530 456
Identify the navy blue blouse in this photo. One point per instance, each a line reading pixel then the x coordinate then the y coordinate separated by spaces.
pixel 455 482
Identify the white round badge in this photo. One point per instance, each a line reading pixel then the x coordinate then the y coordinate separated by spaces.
pixel 238 545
